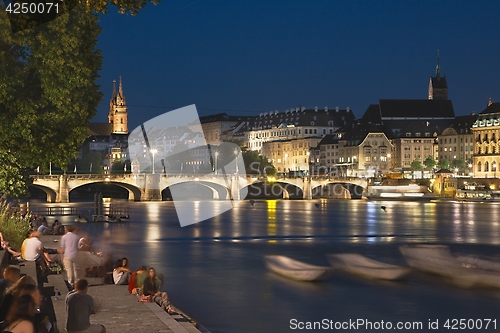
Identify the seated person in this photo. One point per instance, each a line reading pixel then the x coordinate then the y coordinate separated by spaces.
pixel 58 228
pixel 136 281
pixel 85 244
pixel 121 273
pixel 44 229
pixel 151 292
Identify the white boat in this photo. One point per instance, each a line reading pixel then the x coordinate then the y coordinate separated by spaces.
pixel 295 269
pixel 360 265
pixel 465 271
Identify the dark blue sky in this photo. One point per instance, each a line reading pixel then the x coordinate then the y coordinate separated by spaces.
pixel 246 57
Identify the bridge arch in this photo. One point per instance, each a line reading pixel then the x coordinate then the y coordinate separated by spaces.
pixel 195 189
pixel 134 192
pixel 277 189
pixel 339 190
pixel 51 193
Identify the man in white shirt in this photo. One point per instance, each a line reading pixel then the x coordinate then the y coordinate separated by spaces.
pixel 32 247
pixel 69 249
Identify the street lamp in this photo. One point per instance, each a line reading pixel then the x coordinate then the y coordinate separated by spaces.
pixel 216 160
pixel 153 152
pixel 235 152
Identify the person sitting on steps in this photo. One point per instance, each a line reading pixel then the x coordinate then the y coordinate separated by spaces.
pixel 121 272
pixel 151 292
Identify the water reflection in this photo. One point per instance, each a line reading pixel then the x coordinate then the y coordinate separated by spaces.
pixel 220 259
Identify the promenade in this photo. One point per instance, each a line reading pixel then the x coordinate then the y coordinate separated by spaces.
pixel 118 310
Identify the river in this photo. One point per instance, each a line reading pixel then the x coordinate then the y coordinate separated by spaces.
pixel 214 269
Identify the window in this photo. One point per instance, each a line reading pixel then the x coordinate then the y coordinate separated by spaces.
pixel 486 166
pixel 479 166
pixel 367 159
pixel 408 134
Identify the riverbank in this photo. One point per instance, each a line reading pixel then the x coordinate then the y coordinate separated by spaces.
pixel 117 309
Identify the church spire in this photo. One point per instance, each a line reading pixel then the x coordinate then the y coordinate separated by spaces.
pixel 438 68
pixel 114 89
pixel 120 91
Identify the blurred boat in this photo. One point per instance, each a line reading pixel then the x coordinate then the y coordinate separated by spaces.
pixel 360 265
pixel 295 269
pixel 463 271
pixel 81 219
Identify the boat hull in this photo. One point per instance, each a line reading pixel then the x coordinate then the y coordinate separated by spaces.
pixel 360 265
pixel 294 269
pixel 461 271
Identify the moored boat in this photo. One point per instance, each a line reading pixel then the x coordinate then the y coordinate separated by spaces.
pixel 465 271
pixel 295 269
pixel 360 265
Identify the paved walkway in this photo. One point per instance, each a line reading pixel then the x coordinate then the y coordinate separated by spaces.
pixel 118 310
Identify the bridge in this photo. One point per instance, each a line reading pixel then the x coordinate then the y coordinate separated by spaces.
pixel 149 187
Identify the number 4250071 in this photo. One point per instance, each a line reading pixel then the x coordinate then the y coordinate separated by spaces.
pixel 32 8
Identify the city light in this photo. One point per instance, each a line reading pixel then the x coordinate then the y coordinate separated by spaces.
pixel 153 152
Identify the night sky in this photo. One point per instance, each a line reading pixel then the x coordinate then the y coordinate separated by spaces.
pixel 246 57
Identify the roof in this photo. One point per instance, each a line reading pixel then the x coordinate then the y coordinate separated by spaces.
pixel 493 108
pixel 311 117
pixel 415 109
pixel 329 139
pixel 372 114
pixel 219 117
pixel 359 132
pixel 100 128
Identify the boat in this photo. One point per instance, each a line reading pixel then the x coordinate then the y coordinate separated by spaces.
pixel 295 269
pixel 463 271
pixel 81 219
pixel 360 265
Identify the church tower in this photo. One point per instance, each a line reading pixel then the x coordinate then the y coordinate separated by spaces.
pixel 438 88
pixel 118 110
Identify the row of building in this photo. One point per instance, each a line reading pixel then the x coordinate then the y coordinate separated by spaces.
pixel 389 137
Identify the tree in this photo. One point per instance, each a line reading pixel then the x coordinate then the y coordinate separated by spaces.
pixel 50 93
pixel 443 164
pixel 429 162
pixel 416 165
pixel 458 164
pixel 48 90
pixel 257 164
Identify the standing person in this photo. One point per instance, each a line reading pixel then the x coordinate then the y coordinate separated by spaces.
pixel 69 249
pixel 79 307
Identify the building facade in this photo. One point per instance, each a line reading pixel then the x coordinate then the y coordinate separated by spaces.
pixel 486 135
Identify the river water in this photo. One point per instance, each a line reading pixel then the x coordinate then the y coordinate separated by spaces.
pixel 214 269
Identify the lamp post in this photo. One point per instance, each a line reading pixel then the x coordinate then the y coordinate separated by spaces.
pixel 235 152
pixel 353 162
pixel 216 161
pixel 153 152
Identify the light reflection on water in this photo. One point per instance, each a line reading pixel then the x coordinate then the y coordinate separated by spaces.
pixel 214 269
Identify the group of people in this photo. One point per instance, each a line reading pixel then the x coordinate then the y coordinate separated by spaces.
pixel 24 310
pixel 144 283
pixel 40 224
pixel 22 307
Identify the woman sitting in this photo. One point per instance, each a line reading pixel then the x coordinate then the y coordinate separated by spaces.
pixel 121 272
pixel 151 291
pixel 136 281
pixel 21 317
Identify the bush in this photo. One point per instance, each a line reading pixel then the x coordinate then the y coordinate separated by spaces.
pixel 13 226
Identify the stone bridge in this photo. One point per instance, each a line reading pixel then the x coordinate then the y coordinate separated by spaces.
pixel 148 187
